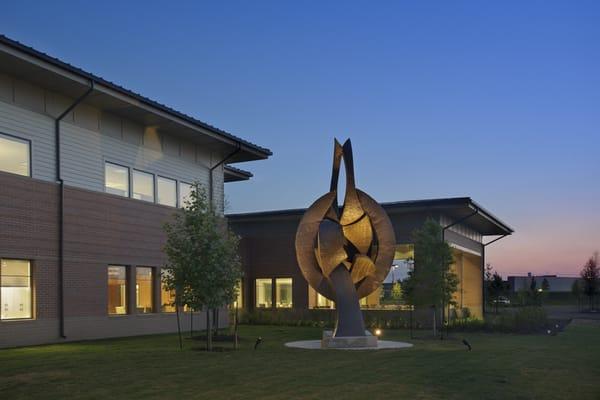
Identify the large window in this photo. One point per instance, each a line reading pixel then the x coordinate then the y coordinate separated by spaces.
pixel 143 290
pixel 143 186
pixel 184 193
pixel 15 289
pixel 283 292
pixel 167 297
pixel 264 293
pixel 167 191
pixel 14 155
pixel 116 179
pixel 323 302
pixel 117 290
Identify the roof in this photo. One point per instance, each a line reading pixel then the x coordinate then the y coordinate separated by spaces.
pixel 456 208
pixel 258 151
pixel 233 174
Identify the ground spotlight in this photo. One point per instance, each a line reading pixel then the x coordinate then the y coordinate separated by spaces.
pixel 377 332
pixel 467 344
pixel 258 341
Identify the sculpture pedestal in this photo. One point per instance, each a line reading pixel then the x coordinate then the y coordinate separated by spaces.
pixel 328 341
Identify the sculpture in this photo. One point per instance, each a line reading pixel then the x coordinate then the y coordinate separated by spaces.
pixel 345 252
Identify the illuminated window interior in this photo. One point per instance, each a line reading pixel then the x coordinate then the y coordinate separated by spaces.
pixel 166 191
pixel 117 290
pixel 15 289
pixel 167 297
pixel 143 290
pixel 264 293
pixel 143 186
pixel 116 179
pixel 14 155
pixel 240 297
pixel 324 302
pixel 184 193
pixel 283 292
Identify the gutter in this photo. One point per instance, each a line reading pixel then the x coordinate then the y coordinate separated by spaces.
pixel 210 174
pixel 61 208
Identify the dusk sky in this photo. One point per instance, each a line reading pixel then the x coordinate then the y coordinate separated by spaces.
pixel 499 102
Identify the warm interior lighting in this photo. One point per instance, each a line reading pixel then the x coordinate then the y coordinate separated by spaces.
pixel 14 155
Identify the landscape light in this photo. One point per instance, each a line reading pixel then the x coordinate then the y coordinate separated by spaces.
pixel 258 341
pixel 377 332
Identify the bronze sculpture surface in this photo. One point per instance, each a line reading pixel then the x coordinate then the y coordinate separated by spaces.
pixel 345 252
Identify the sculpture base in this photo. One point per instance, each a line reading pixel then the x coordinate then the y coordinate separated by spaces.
pixel 328 341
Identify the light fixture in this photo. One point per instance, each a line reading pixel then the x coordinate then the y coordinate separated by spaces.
pixel 377 332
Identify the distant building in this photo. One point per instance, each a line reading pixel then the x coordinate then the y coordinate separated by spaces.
pixel 556 283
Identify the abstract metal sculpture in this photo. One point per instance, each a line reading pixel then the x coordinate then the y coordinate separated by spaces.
pixel 345 252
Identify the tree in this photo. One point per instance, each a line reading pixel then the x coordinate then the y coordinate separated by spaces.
pixel 576 290
pixel 203 265
pixel 396 291
pixel 545 285
pixel 497 288
pixel 590 275
pixel 431 282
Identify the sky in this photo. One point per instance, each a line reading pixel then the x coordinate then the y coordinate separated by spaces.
pixel 497 101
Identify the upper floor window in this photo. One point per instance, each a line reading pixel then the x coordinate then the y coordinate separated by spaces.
pixel 15 289
pixel 14 155
pixel 116 179
pixel 167 191
pixel 143 186
pixel 184 193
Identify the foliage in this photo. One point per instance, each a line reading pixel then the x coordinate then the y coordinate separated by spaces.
pixel 396 291
pixel 203 265
pixel 496 288
pixel 530 319
pixel 430 282
pixel 590 275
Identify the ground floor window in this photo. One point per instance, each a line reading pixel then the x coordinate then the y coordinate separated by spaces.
pixel 167 297
pixel 323 302
pixel 15 289
pixel 283 292
pixel 239 299
pixel 264 293
pixel 144 290
pixel 117 290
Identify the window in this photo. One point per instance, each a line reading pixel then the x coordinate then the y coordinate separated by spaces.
pixel 264 293
pixel 117 290
pixel 143 290
pixel 15 289
pixel 323 302
pixel 283 292
pixel 116 179
pixel 167 191
pixel 167 297
pixel 184 193
pixel 14 155
pixel 143 186
pixel 239 299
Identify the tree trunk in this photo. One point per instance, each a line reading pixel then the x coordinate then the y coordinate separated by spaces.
pixel 434 318
pixel 208 330
pixel 179 328
pixel 235 327
pixel 191 323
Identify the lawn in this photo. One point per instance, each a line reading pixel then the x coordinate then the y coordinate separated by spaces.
pixel 501 366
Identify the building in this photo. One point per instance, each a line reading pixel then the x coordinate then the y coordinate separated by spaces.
pixel 556 284
pixel 273 279
pixel 89 173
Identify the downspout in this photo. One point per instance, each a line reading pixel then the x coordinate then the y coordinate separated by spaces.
pixel 210 174
pixel 211 205
pixel 61 209
pixel 443 240
pixel 483 266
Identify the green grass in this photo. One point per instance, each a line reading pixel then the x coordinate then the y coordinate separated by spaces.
pixel 501 366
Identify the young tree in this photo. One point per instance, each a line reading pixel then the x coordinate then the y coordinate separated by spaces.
pixel 203 264
pixel 431 282
pixel 576 291
pixel 497 289
pixel 396 291
pixel 590 275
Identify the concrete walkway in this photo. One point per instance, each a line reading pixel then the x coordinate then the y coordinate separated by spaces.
pixel 316 345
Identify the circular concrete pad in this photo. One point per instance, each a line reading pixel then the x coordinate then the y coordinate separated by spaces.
pixel 316 345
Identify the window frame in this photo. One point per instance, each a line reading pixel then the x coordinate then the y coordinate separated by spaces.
pixel 127 290
pixel 157 177
pixel 154 185
pixel 30 156
pixel 31 287
pixel 179 199
pixel 129 179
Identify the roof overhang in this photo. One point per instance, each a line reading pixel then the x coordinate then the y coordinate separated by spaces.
pixel 457 208
pixel 55 75
pixel 233 174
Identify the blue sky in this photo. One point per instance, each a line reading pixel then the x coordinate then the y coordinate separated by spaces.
pixel 500 102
